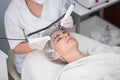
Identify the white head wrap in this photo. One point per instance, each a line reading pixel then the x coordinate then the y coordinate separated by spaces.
pixel 52 54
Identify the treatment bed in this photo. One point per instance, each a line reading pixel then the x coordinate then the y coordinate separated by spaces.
pixel 38 67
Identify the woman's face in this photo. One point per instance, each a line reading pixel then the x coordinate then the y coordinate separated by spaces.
pixel 63 42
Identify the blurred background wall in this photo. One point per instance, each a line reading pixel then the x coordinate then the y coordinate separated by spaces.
pixel 3 43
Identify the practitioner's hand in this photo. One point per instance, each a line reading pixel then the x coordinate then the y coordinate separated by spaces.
pixel 68 23
pixel 38 43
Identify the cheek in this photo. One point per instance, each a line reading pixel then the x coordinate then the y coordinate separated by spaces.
pixel 60 47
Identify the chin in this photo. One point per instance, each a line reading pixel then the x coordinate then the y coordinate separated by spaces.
pixel 73 45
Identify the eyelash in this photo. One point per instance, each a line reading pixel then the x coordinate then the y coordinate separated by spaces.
pixel 59 38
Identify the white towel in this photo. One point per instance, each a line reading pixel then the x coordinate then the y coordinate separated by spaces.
pixel 95 67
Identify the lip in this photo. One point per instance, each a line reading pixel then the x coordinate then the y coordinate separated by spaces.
pixel 69 39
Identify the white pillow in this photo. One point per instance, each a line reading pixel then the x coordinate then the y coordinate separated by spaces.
pixel 86 43
pixel 38 67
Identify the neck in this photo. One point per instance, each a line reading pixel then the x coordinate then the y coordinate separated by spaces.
pixel 73 56
pixel 34 8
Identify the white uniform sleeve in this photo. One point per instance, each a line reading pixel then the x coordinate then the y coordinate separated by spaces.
pixel 63 6
pixel 13 31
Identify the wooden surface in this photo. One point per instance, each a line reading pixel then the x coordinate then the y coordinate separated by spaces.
pixel 112 14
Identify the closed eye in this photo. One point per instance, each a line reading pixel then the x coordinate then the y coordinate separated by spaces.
pixel 65 32
pixel 58 39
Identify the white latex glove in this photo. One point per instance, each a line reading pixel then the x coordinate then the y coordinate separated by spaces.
pixel 38 43
pixel 68 23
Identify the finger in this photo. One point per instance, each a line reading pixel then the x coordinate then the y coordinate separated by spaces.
pixel 68 22
pixel 69 18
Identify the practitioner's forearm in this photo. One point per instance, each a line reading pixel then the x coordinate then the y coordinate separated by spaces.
pixel 22 48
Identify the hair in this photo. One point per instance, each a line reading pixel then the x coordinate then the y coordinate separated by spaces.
pixel 52 55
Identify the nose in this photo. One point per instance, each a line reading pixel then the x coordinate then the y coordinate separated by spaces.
pixel 66 35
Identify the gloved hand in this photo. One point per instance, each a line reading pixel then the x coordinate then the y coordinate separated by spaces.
pixel 38 43
pixel 68 23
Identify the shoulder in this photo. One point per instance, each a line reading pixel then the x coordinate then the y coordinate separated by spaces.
pixel 13 8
